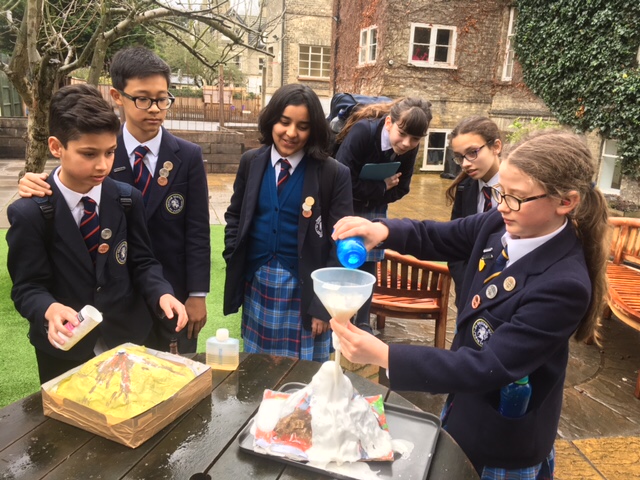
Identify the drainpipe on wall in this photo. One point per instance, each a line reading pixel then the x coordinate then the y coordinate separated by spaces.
pixel 284 32
pixel 335 47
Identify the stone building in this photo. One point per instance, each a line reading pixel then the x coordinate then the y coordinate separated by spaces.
pixel 301 45
pixel 456 54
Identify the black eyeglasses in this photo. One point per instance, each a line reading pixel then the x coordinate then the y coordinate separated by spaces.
pixel 470 156
pixel 514 203
pixel 144 103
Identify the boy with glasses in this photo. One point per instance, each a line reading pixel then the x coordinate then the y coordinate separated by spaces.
pixel 170 174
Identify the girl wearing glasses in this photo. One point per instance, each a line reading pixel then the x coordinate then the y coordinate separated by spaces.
pixel 513 323
pixel 476 147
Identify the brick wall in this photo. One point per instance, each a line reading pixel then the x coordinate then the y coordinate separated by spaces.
pixel 13 133
pixel 220 150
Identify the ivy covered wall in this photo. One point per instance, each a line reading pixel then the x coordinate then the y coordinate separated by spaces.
pixel 581 58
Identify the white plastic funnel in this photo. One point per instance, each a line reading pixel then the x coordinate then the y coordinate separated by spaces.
pixel 342 290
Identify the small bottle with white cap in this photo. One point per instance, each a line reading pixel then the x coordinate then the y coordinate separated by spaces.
pixel 223 353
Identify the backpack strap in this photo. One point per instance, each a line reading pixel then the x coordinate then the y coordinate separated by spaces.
pixel 124 194
pixel 47 210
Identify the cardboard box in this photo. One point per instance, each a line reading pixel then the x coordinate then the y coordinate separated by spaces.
pixel 135 431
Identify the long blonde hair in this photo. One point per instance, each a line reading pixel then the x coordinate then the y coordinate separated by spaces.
pixel 561 162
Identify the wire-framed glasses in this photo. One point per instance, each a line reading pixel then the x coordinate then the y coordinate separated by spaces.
pixel 514 203
pixel 144 103
pixel 470 156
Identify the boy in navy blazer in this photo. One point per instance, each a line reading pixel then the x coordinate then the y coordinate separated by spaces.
pixel 170 173
pixel 55 271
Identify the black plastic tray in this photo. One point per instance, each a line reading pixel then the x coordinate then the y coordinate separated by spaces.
pixel 417 427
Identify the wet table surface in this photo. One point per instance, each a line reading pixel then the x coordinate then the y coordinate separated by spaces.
pixel 203 440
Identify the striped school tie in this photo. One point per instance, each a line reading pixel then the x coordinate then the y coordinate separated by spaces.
pixel 499 265
pixel 141 174
pixel 486 193
pixel 284 175
pixel 90 226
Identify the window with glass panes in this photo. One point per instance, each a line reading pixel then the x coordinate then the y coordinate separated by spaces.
pixel 610 175
pixel 435 151
pixel 432 45
pixel 314 61
pixel 509 54
pixel 368 45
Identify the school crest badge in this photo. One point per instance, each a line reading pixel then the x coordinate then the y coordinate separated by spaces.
pixel 174 203
pixel 121 252
pixel 318 226
pixel 481 331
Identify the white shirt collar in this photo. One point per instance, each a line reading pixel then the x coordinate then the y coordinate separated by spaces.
pixel 294 159
pixel 73 198
pixel 385 143
pixel 519 247
pixel 492 181
pixel 130 142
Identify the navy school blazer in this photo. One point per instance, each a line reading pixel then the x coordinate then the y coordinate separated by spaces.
pixel 360 147
pixel 523 330
pixel 177 214
pixel 465 203
pixel 122 279
pixel 315 247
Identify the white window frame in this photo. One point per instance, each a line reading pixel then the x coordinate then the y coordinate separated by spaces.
pixel 430 62
pixel 509 53
pixel 609 163
pixel 368 48
pixel 426 167
pixel 325 60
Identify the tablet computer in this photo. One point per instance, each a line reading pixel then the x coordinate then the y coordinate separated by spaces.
pixel 378 171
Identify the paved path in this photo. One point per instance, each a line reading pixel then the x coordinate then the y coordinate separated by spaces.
pixel 599 432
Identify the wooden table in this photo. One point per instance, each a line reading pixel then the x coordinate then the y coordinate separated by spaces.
pixel 204 439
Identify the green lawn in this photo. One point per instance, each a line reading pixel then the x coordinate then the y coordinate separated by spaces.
pixel 18 370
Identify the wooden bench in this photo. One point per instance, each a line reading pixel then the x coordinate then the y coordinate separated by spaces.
pixel 409 288
pixel 623 273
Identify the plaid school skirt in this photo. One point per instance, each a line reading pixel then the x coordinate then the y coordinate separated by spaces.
pixel 271 320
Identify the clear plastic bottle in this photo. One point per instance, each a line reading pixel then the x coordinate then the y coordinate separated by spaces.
pixel 173 346
pixel 223 353
pixel 351 252
pixel 338 122
pixel 514 398
pixel 89 318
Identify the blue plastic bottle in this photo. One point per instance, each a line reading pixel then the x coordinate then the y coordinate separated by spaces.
pixel 514 398
pixel 351 252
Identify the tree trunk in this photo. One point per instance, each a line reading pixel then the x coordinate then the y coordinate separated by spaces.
pixel 38 120
pixel 97 62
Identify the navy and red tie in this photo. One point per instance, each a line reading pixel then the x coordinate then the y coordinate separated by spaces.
pixel 141 174
pixel 90 226
pixel 284 175
pixel 486 193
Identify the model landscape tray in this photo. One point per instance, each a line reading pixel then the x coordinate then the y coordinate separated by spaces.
pixel 417 427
